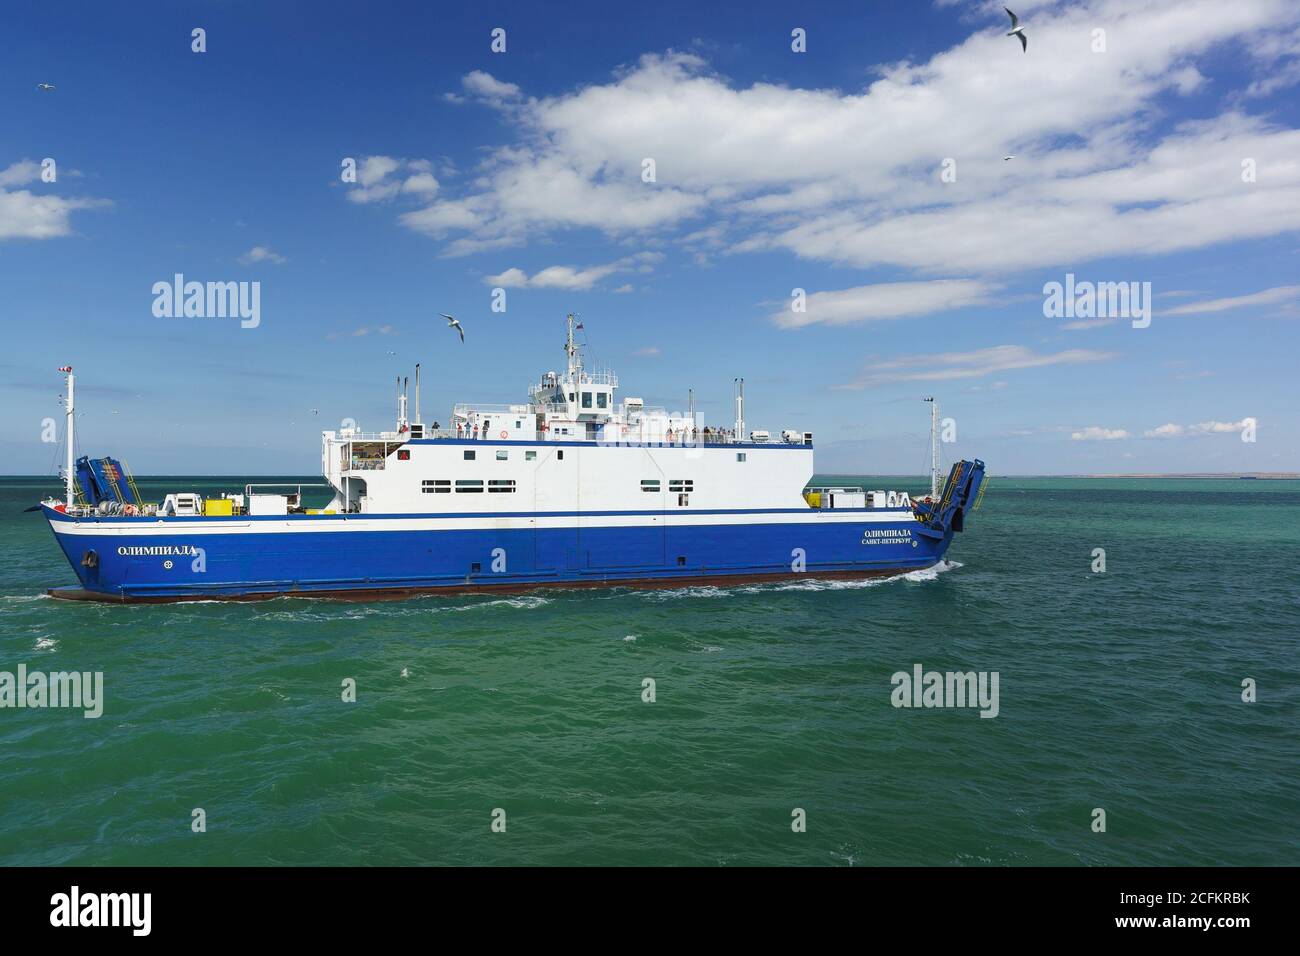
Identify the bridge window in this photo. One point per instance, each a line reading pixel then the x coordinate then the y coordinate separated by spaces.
pixel 435 486
pixel 602 400
pixel 498 486
pixel 586 399
pixel 649 484
pixel 469 486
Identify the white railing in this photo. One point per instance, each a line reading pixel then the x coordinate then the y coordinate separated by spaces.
pixel 464 408
pixel 372 436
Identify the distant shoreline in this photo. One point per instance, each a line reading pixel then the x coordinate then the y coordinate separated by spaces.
pixel 1261 475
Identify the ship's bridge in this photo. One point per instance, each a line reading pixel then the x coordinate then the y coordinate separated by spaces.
pixel 582 396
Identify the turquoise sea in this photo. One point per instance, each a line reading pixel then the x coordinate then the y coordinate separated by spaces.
pixel 1119 690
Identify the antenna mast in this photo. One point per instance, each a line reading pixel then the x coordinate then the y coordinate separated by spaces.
pixel 575 364
pixel 69 434
pixel 417 394
pixel 740 409
pixel 934 445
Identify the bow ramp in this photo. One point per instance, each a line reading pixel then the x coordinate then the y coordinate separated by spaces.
pixel 961 495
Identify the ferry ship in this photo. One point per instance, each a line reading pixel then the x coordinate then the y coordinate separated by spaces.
pixel 573 488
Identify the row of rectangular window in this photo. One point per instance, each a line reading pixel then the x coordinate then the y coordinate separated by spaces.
pixel 675 484
pixel 504 455
pixel 442 486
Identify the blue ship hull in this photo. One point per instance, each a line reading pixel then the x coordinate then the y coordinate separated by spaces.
pixel 188 558
pixel 176 565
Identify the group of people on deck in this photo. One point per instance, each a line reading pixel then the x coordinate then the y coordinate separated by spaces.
pixel 471 429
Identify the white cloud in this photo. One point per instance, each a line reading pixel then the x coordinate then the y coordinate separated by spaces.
pixel 650 351
pixel 1097 433
pixel 510 279
pixel 28 215
pixel 1219 428
pixel 1169 430
pixel 1080 324
pixel 1281 293
pixel 1172 430
pixel 362 332
pixel 946 366
pixel 488 87
pixel 860 167
pixel 20 173
pixel 568 277
pixel 262 254
pixel 892 300
pixel 380 178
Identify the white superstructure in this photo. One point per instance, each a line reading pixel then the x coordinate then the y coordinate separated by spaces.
pixel 572 447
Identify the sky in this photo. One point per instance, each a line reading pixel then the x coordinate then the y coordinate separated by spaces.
pixel 850 226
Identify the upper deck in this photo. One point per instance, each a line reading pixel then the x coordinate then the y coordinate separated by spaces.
pixel 578 405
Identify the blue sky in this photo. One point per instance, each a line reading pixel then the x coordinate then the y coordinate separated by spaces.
pixel 774 170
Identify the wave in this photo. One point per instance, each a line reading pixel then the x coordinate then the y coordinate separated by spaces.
pixel 930 573
pixel 528 601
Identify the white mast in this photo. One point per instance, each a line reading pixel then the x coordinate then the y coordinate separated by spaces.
pixel 417 394
pixel 69 433
pixel 934 446
pixel 575 363
pixel 740 409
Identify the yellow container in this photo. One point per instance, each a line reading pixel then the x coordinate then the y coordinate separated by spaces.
pixel 813 498
pixel 320 511
pixel 218 507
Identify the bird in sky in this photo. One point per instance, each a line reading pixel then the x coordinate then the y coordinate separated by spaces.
pixel 45 86
pixel 453 324
pixel 1008 158
pixel 1017 30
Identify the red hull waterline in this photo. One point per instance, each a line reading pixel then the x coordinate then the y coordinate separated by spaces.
pixel 401 594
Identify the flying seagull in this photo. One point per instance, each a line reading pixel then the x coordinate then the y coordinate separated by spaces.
pixel 45 86
pixel 1008 157
pixel 1017 30
pixel 453 324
